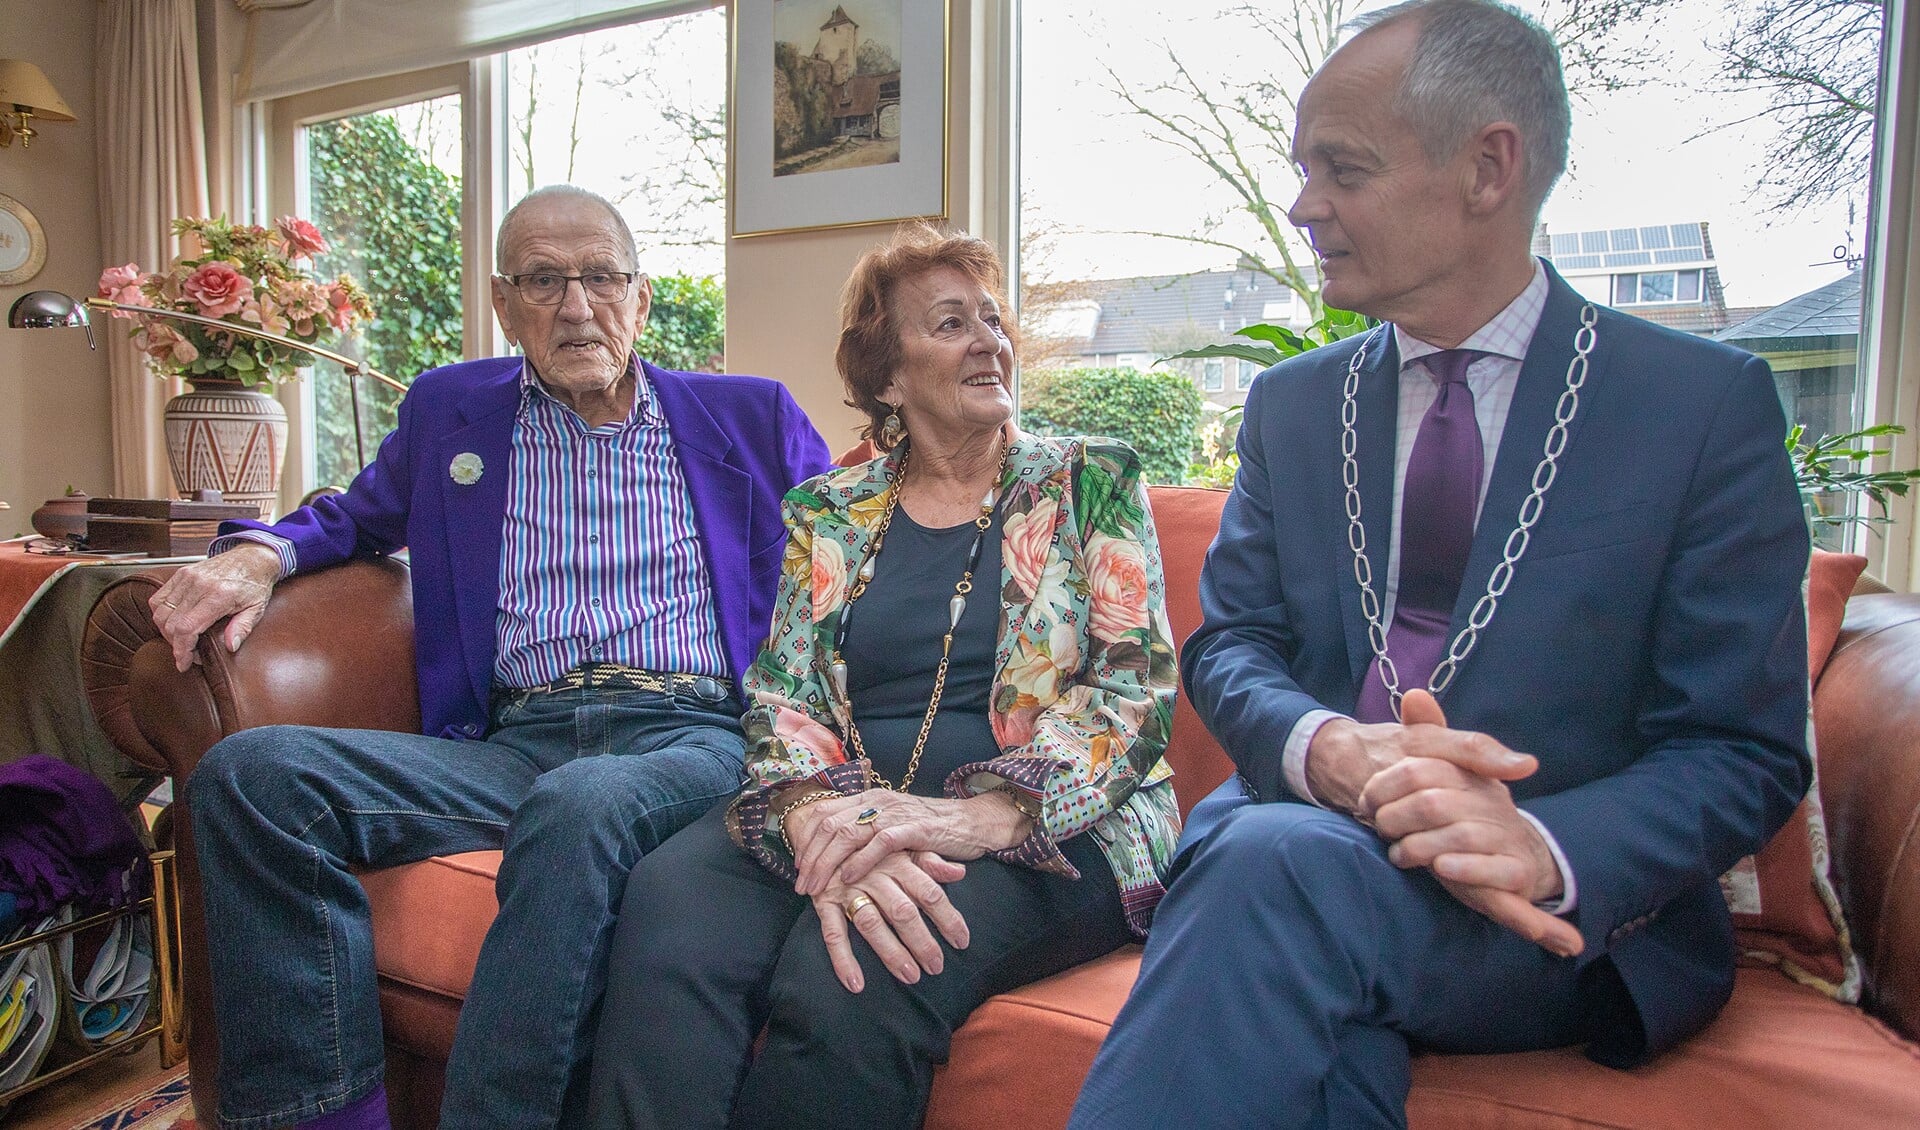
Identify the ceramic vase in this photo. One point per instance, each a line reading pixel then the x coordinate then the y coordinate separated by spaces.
pixel 225 436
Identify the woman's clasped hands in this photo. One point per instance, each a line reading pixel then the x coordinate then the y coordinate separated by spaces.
pixel 878 860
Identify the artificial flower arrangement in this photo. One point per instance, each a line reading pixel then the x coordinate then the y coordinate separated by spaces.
pixel 247 275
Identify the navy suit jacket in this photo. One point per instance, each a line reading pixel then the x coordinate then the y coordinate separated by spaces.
pixel 1650 650
pixel 742 442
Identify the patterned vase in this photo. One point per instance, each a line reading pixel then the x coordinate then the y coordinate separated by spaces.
pixel 227 437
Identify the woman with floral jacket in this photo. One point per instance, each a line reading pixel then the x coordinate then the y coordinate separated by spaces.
pixel 955 742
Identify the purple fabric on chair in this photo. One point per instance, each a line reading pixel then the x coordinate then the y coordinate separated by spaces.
pixel 64 839
pixel 1436 533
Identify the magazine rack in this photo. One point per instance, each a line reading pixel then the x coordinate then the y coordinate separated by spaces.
pixel 166 1023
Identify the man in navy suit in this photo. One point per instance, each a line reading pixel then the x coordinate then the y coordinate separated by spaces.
pixel 594 545
pixel 1503 629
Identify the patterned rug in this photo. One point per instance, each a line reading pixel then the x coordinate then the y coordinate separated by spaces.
pixel 168 1106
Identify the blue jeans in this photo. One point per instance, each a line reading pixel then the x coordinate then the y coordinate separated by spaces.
pixel 574 786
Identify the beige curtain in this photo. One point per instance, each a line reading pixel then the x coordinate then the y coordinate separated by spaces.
pixel 153 168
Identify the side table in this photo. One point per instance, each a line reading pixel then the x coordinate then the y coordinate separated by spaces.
pixel 44 601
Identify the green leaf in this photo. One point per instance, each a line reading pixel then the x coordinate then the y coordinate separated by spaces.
pixel 1264 356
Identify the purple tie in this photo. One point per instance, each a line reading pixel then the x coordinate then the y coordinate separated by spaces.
pixel 1436 532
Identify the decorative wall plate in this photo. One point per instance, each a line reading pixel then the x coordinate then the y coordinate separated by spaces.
pixel 23 246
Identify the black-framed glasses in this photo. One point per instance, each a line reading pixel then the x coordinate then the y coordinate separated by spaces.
pixel 549 288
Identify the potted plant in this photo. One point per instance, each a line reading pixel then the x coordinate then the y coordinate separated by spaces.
pixel 228 433
pixel 1827 474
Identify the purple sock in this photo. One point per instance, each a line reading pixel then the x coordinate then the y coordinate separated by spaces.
pixel 368 1112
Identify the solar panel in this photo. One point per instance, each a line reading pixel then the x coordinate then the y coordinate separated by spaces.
pixel 1687 235
pixel 1593 242
pixel 1629 259
pixel 1654 238
pixel 1625 239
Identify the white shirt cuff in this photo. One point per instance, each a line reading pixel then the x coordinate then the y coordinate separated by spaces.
pixel 1293 754
pixel 1570 891
pixel 280 546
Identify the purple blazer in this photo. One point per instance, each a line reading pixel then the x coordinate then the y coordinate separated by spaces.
pixel 741 440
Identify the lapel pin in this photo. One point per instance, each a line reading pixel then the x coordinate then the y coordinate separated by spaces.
pixel 466 468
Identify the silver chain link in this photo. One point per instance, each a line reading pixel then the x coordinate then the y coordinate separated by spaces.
pixel 1516 544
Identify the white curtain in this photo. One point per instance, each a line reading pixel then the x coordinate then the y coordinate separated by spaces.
pixel 299 45
pixel 153 168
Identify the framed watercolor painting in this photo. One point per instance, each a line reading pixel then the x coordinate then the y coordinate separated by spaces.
pixel 839 113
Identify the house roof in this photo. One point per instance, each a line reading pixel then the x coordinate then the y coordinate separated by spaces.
pixel 860 95
pixel 1167 313
pixel 839 17
pixel 1825 318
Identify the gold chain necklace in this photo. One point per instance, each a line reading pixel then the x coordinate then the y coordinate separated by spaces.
pixel 956 606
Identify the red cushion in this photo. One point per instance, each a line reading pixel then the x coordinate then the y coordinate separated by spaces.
pixel 1786 912
pixel 1778 1056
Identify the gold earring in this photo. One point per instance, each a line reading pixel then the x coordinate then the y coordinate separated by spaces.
pixel 892 431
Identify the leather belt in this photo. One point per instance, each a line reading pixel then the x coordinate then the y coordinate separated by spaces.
pixel 619 676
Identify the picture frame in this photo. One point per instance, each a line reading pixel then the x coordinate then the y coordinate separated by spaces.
pixel 839 114
pixel 23 245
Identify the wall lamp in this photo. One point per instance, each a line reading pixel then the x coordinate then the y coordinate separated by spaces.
pixel 49 309
pixel 23 87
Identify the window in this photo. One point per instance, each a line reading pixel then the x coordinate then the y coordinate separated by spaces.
pixel 1243 376
pixel 402 172
pixel 384 187
pixel 1701 207
pixel 1213 374
pixel 1656 286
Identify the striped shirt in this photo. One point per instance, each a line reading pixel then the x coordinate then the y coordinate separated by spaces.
pixel 600 561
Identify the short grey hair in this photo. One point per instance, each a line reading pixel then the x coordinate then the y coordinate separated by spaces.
pixel 1477 62
pixel 564 192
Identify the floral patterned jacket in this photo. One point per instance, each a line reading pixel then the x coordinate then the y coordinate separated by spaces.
pixel 1082 697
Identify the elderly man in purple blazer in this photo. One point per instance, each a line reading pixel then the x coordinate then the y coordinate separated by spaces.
pixel 594 544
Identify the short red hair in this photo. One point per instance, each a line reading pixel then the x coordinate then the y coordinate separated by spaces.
pixel 870 349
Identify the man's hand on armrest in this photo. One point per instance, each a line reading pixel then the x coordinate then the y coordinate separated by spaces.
pixel 237 583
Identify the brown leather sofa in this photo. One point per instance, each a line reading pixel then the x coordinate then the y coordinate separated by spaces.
pixel 336 649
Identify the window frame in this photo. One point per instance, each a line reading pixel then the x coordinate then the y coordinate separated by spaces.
pixel 282 122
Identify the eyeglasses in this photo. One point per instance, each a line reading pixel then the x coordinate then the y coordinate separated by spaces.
pixel 547 288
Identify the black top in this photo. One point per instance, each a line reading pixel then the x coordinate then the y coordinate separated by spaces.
pixel 893 651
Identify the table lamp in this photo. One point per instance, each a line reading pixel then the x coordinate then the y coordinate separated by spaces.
pixel 50 309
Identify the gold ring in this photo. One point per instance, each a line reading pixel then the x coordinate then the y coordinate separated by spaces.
pixel 867 816
pixel 169 604
pixel 859 903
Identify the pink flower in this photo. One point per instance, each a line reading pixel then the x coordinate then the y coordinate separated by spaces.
pixel 1117 585
pixel 122 284
pixel 1028 538
pixel 217 289
pixel 829 576
pixel 166 347
pixel 339 307
pixel 304 241
pixel 118 278
pixel 798 731
pixel 262 312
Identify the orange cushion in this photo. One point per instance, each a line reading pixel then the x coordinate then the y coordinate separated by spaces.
pixel 430 917
pixel 1778 1056
pixel 1785 910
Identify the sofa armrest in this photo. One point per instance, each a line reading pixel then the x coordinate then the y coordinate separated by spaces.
pixel 1867 713
pixel 335 648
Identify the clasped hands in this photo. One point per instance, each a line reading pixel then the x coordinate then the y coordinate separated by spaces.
pixel 884 874
pixel 1439 797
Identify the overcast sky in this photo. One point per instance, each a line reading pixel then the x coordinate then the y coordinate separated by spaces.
pixel 1638 156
